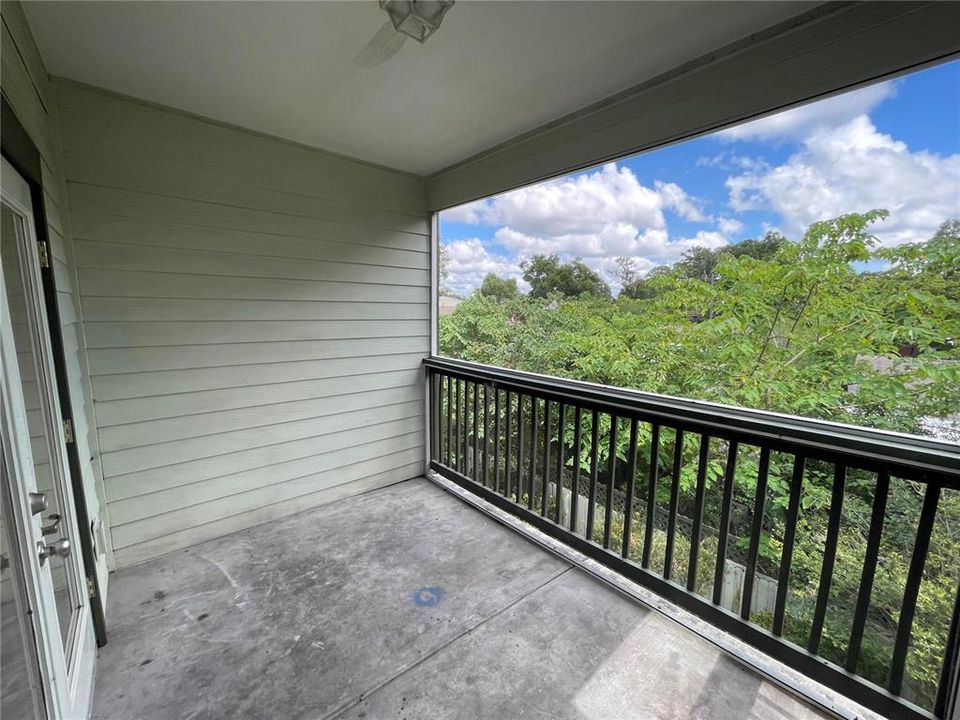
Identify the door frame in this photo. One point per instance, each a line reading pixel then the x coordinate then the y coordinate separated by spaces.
pixel 66 658
pixel 18 149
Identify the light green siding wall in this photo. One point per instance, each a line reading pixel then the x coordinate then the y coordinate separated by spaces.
pixel 29 91
pixel 256 313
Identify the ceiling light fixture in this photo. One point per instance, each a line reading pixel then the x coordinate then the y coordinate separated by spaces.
pixel 418 19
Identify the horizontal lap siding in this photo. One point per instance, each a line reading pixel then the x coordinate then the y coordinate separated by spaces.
pixel 255 315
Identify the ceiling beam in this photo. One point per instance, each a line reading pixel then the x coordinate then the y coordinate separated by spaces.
pixel 831 49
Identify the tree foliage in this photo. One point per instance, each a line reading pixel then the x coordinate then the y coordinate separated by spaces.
pixel 443 269
pixel 547 275
pixel 499 288
pixel 700 263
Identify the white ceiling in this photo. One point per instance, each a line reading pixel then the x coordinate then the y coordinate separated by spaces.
pixel 493 70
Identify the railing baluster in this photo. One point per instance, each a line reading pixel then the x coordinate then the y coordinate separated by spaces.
pixel 478 444
pixel 475 465
pixel 651 495
pixel 746 597
pixel 460 431
pixel 534 411
pixel 485 465
pixel 547 416
pixel 829 556
pixel 561 457
pixel 496 439
pixel 869 569
pixel 435 450
pixel 631 482
pixel 594 469
pixel 729 480
pixel 789 535
pixel 575 480
pixel 699 498
pixel 466 429
pixel 948 689
pixel 508 446
pixel 921 545
pixel 674 502
pixel 611 477
pixel 519 487
pixel 467 433
pixel 449 460
pixel 464 444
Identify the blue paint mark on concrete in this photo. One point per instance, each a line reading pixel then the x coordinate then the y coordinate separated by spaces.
pixel 428 596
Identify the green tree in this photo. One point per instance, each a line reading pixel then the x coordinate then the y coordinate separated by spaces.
pixel 443 269
pixel 625 270
pixel 640 289
pixel 546 275
pixel 646 287
pixel 499 288
pixel 766 248
pixel 699 263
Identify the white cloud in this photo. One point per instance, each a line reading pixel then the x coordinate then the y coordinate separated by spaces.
pixel 704 238
pixel 729 226
pixel 610 242
pixel 799 122
pixel 854 168
pixel 675 198
pixel 470 261
pixel 580 204
pixel 596 216
pixel 468 213
pixel 727 160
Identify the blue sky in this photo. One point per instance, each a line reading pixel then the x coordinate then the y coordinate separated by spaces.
pixel 894 145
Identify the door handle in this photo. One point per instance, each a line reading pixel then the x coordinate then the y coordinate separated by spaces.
pixel 60 548
pixel 54 527
pixel 38 502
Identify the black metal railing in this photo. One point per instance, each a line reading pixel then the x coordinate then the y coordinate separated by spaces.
pixel 748 519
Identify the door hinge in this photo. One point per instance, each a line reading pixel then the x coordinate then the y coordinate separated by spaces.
pixel 91 593
pixel 44 254
pixel 68 431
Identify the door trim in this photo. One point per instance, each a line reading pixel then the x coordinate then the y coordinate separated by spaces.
pixel 54 650
pixel 19 150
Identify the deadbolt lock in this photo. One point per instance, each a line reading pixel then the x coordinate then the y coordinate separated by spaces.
pixel 38 502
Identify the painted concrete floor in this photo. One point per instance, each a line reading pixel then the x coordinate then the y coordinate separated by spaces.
pixel 402 603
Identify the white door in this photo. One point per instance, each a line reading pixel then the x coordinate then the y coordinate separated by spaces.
pixel 44 596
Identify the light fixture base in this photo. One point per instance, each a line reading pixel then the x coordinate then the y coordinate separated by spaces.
pixel 418 19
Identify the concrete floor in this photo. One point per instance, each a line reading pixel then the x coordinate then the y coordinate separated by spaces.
pixel 402 603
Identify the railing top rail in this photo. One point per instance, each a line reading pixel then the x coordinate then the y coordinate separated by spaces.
pixel 819 436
